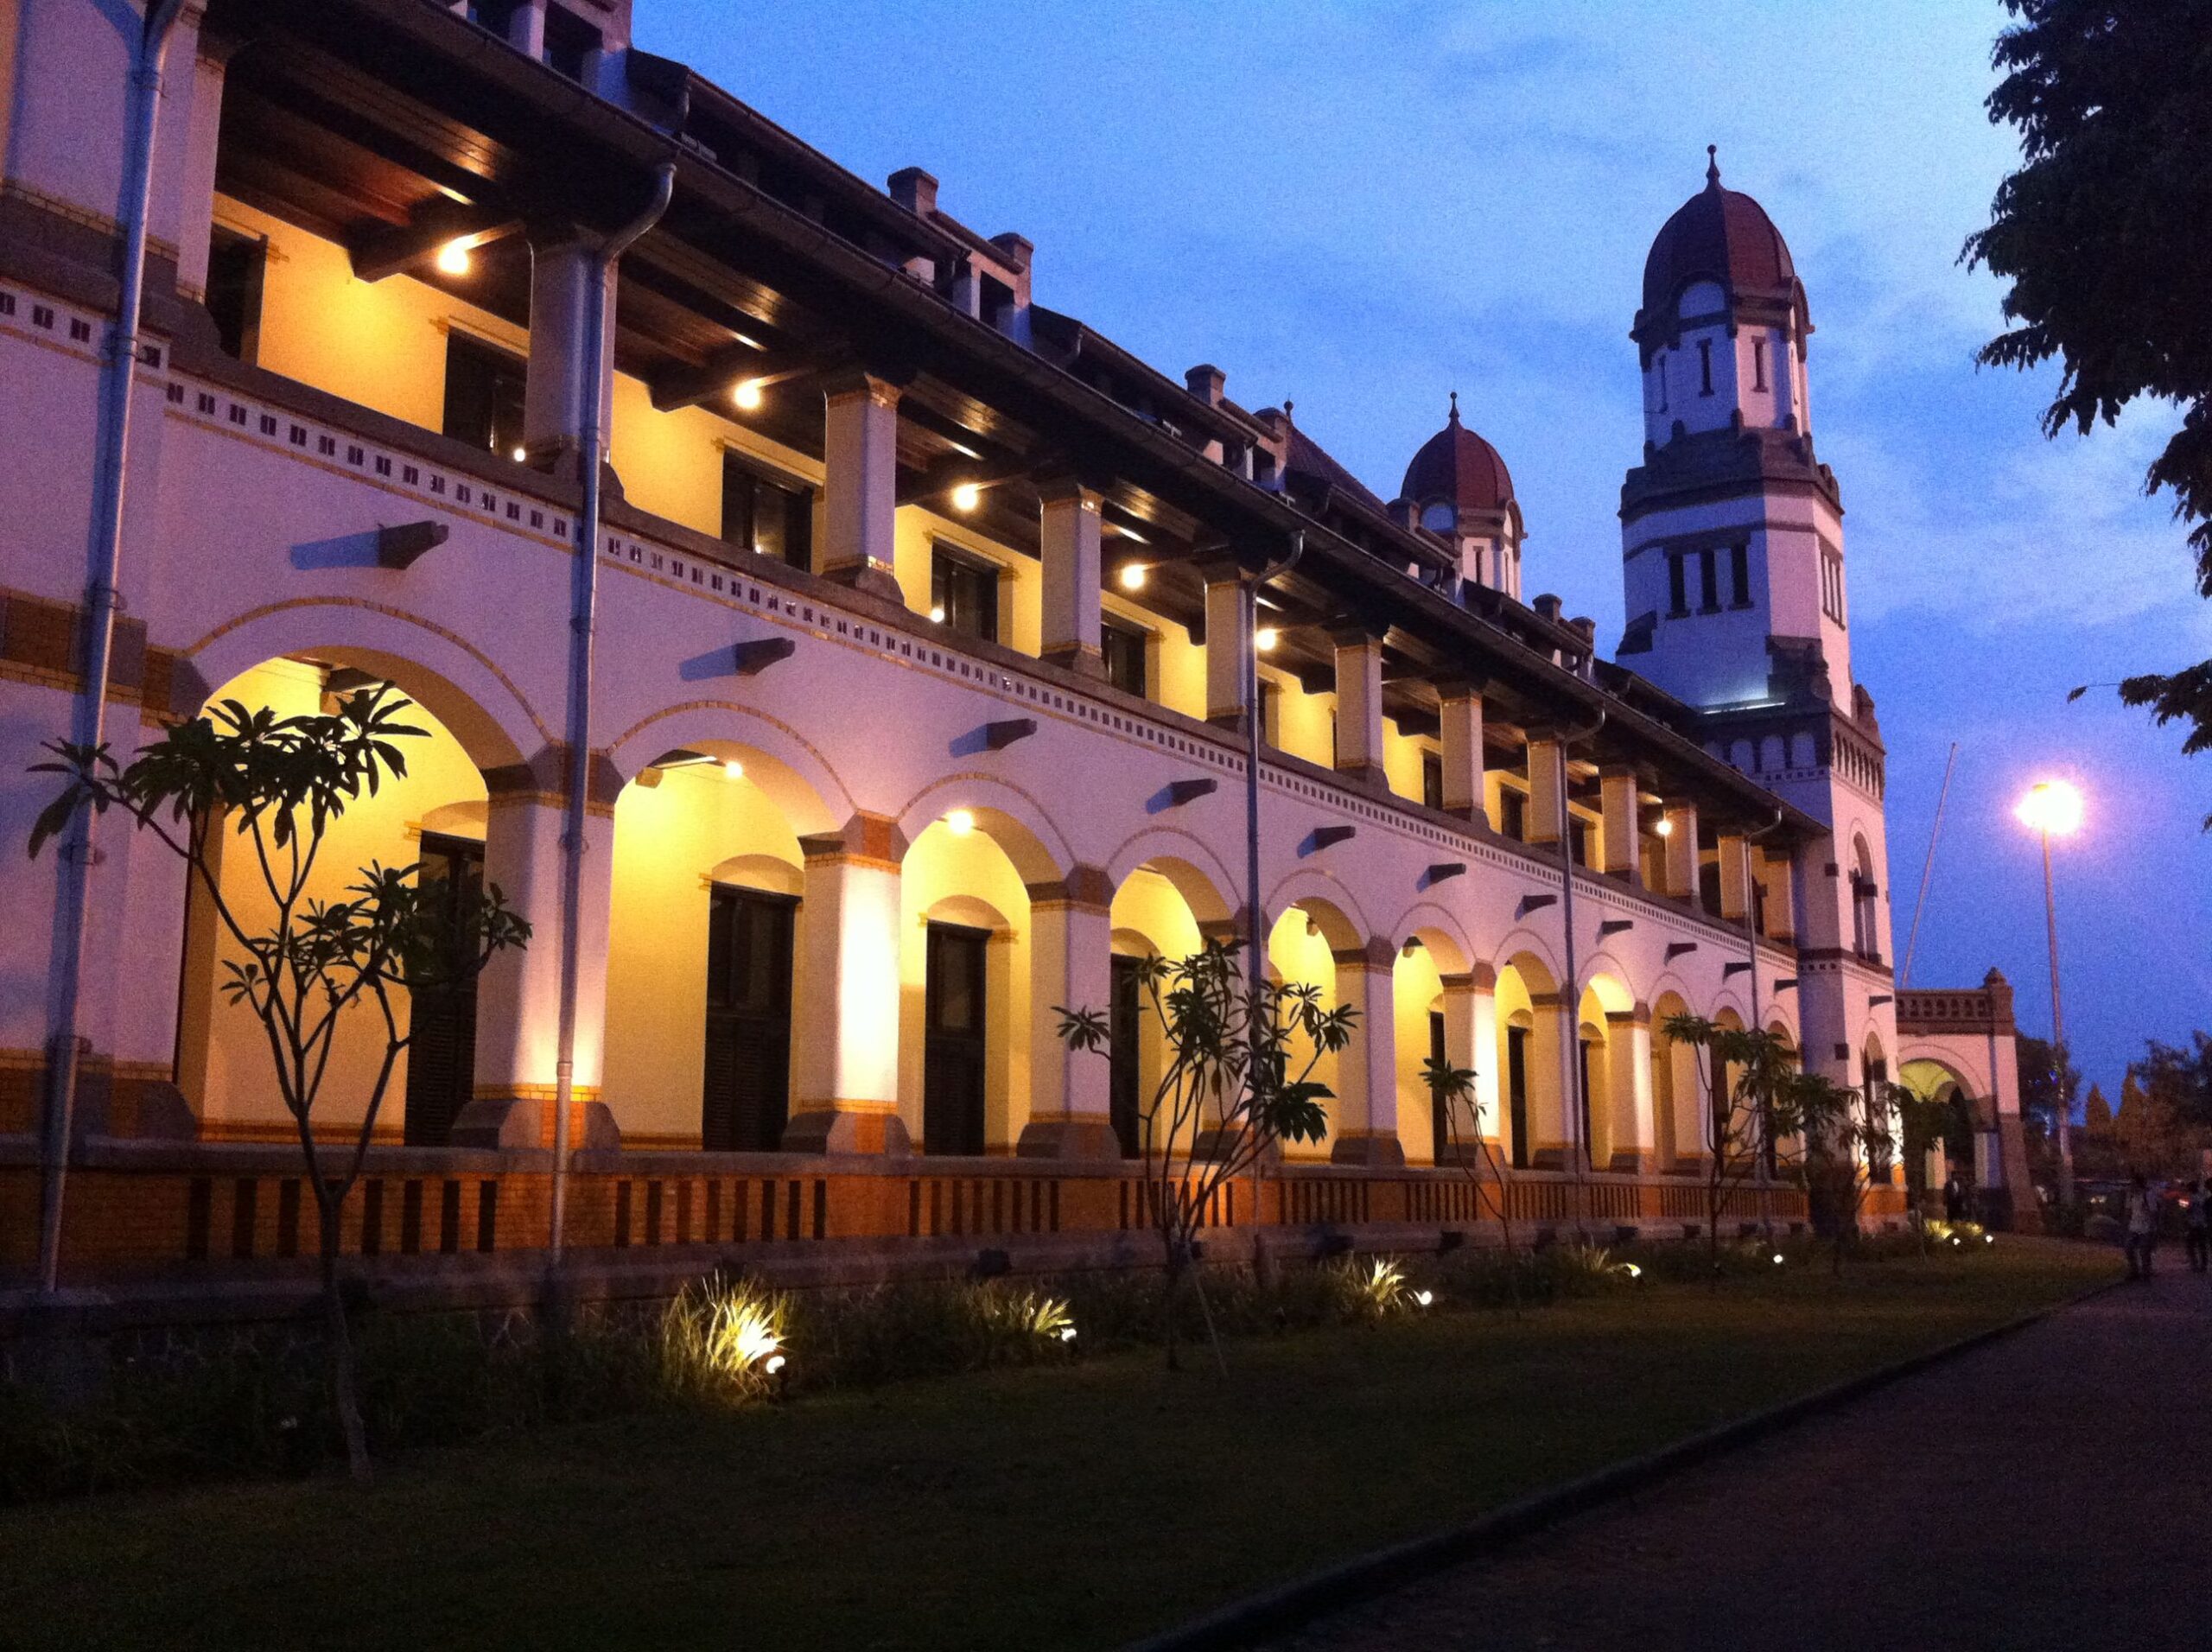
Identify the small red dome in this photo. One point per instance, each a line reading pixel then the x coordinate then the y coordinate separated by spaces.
pixel 1457 466
pixel 1720 235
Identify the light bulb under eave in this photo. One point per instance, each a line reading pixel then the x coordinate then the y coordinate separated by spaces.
pixel 966 497
pixel 1133 576
pixel 452 258
pixel 1266 638
pixel 2053 807
pixel 733 770
pixel 746 394
pixel 1665 828
pixel 960 822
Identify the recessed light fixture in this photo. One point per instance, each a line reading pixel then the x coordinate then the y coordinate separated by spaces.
pixel 966 497
pixel 936 614
pixel 1266 638
pixel 453 257
pixel 733 770
pixel 960 822
pixel 521 454
pixel 746 394
pixel 1665 828
pixel 1133 577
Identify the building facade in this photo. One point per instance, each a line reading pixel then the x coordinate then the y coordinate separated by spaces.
pixel 921 618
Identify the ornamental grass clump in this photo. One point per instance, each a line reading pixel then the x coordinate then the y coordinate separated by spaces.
pixel 724 1339
pixel 1372 1291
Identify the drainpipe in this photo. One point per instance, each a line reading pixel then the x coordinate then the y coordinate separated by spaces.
pixel 89 725
pixel 1255 938
pixel 582 619
pixel 1567 741
pixel 1751 952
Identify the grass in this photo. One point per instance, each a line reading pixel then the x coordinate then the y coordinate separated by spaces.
pixel 1073 1507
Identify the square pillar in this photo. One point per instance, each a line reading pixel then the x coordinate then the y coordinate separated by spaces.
pixel 1071 964
pixel 1628 1072
pixel 1553 1034
pixel 1735 864
pixel 565 281
pixel 1773 872
pixel 1229 643
pixel 847 1003
pixel 860 482
pixel 1461 727
pixel 1621 842
pixel 1547 758
pixel 1367 1067
pixel 518 995
pixel 1678 869
pixel 1359 706
pixel 1069 522
pixel 1471 1042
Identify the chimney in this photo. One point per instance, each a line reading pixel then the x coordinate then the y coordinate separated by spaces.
pixel 1017 249
pixel 1586 628
pixel 1547 607
pixel 915 190
pixel 1207 382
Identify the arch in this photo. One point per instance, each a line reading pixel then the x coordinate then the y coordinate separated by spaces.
pixel 1301 950
pixel 1185 860
pixel 1325 900
pixel 457 683
pixel 1604 979
pixel 1012 818
pixel 470 819
pixel 1529 956
pixel 796 776
pixel 770 872
pixel 1439 932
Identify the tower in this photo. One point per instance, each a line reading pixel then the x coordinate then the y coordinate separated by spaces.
pixel 1731 533
pixel 1457 485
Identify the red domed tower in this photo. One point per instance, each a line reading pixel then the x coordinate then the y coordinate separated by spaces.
pixel 1457 485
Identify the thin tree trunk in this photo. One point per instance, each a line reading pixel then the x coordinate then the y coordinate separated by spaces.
pixel 339 1342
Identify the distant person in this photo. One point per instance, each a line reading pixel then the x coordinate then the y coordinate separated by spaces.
pixel 1954 1198
pixel 2141 1223
pixel 2200 1226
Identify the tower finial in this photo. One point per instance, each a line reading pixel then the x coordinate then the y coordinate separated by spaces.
pixel 1712 166
pixel 1455 406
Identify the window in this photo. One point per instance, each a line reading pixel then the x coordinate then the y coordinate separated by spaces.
pixel 1431 780
pixel 1831 584
pixel 1758 364
pixel 235 263
pixel 569 42
pixel 964 594
pixel 1513 814
pixel 1678 595
pixel 1740 574
pixel 484 390
pixel 773 518
pixel 1704 366
pixel 1125 648
pixel 1708 582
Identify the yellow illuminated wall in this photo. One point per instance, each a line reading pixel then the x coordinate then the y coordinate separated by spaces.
pixel 967 879
pixel 1300 954
pixel 1417 992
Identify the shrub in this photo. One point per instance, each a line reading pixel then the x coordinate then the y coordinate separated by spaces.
pixel 723 1339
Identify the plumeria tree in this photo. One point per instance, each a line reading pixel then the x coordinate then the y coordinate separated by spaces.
pixel 1453 1091
pixel 1236 1081
pixel 301 965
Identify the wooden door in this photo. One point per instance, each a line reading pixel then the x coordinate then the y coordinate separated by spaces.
pixel 1516 1092
pixel 1125 1020
pixel 746 1095
pixel 956 1026
pixel 442 1037
pixel 1450 1128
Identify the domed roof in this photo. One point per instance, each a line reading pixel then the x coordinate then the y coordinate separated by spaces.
pixel 1457 465
pixel 1720 235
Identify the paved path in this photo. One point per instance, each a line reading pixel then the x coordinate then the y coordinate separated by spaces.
pixel 2052 1490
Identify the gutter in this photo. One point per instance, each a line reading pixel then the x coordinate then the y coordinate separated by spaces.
pixel 89 724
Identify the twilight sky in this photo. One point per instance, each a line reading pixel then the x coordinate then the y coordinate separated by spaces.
pixel 1365 205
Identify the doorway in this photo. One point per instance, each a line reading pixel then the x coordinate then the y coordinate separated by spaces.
pixel 442 1021
pixel 1124 1024
pixel 955 1040
pixel 1516 1092
pixel 746 1092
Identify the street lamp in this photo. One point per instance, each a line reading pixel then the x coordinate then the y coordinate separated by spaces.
pixel 2053 808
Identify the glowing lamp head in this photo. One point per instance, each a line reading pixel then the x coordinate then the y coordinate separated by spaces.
pixel 1665 828
pixel 774 1365
pixel 521 454
pixel 746 394
pixel 936 614
pixel 1266 638
pixel 1133 577
pixel 966 497
pixel 2052 807
pixel 733 770
pixel 1779 1259
pixel 454 258
pixel 960 822
pixel 1424 1299
pixel 1067 1333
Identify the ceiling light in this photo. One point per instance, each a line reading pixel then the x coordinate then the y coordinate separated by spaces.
pixel 733 770
pixel 453 257
pixel 1266 638
pixel 746 394
pixel 1133 577
pixel 521 454
pixel 936 614
pixel 960 822
pixel 966 497
pixel 1665 828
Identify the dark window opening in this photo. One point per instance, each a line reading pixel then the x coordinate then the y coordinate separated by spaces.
pixel 747 1086
pixel 1708 582
pixel 964 595
pixel 569 42
pixel 498 15
pixel 996 300
pixel 1432 780
pixel 235 266
pixel 1704 366
pixel 1708 886
pixel 1125 648
pixel 1516 1093
pixel 773 518
pixel 1678 594
pixel 1443 1127
pixel 1739 574
pixel 1584 1144
pixel 1125 1022
pixel 483 395
pixel 957 1023
pixel 1513 814
pixel 1578 840
pixel 441 1024
pixel 1878 1143
pixel 1758 364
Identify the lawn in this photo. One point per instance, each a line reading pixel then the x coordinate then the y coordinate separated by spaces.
pixel 1052 1507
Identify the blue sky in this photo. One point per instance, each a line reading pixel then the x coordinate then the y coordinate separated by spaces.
pixel 1363 206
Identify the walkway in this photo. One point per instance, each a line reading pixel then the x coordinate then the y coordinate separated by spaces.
pixel 2054 1488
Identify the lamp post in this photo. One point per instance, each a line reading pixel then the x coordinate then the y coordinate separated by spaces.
pixel 2054 807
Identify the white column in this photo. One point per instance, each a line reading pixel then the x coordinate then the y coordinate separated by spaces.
pixel 1069 523
pixel 1471 1043
pixel 1071 954
pixel 1623 843
pixel 1461 727
pixel 564 280
pixel 1554 1039
pixel 519 995
pixel 1628 1056
pixel 1680 863
pixel 1228 642
pixel 1545 755
pixel 1734 866
pixel 1359 706
pixel 861 486
pixel 846 1008
pixel 1367 1067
